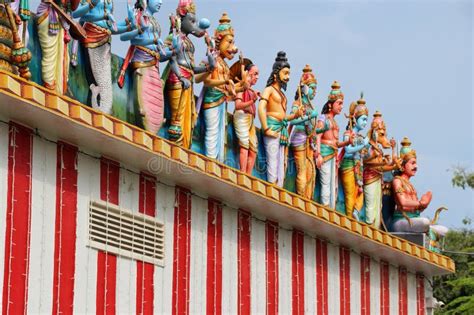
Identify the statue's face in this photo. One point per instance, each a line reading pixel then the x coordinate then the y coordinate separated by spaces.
pixel 154 5
pixel 284 75
pixel 253 75
pixel 411 167
pixel 337 106
pixel 189 25
pixel 312 91
pixel 380 136
pixel 361 122
pixel 227 47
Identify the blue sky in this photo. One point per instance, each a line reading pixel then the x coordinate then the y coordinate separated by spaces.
pixel 412 59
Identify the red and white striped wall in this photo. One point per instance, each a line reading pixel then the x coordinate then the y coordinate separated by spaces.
pixel 218 260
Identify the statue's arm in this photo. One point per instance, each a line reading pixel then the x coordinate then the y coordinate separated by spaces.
pixel 351 148
pixel 213 82
pixel 83 8
pixel 262 108
pixel 131 35
pixel 240 104
pixel 175 66
pixel 407 204
pixel 304 118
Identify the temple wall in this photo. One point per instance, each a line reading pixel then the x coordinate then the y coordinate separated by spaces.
pixel 217 259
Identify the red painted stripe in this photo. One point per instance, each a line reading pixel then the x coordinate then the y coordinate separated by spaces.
pixel 297 245
pixel 107 263
pixel 364 285
pixel 271 237
pixel 18 220
pixel 402 291
pixel 345 280
pixel 181 251
pixel 384 288
pixel 65 226
pixel 244 294
pixel 145 271
pixel 214 257
pixel 322 277
pixel 420 295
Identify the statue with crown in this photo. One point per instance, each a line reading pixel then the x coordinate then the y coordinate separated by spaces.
pixel 179 75
pixel 219 89
pixel 406 217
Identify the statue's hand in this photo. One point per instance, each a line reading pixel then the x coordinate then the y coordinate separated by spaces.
pixel 185 82
pixel 365 142
pixel 131 15
pixel 393 143
pixel 319 161
pixel 211 60
pixel 426 199
pixel 270 133
pixel 111 18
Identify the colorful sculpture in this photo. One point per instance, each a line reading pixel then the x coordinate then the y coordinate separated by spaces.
pixel 14 56
pixel 244 114
pixel 98 21
pixel 375 164
pixel 406 217
pixel 53 24
pixel 303 134
pixel 145 54
pixel 328 145
pixel 274 120
pixel 351 165
pixel 179 88
pixel 219 89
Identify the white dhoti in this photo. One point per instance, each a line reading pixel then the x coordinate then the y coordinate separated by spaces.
pixel 245 130
pixel 373 202
pixel 328 181
pixel 100 58
pixel 54 56
pixel 275 160
pixel 418 225
pixel 214 138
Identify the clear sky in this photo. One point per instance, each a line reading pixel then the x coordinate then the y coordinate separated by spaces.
pixel 412 59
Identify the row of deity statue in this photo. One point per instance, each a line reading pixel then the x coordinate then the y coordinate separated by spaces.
pixel 357 162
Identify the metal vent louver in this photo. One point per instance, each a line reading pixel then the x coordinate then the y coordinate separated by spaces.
pixel 122 232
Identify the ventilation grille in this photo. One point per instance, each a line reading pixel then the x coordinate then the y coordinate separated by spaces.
pixel 124 233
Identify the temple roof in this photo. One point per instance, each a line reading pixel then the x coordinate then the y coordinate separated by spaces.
pixel 65 119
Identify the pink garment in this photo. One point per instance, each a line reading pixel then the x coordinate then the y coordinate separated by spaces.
pixel 150 98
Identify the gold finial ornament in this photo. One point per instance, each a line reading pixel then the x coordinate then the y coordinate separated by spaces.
pixel 335 93
pixel 308 76
pixel 406 151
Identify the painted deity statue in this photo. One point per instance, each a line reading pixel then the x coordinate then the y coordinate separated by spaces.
pixel 406 217
pixel 274 120
pixel 179 90
pixel 14 56
pixel 351 167
pixel 219 89
pixel 303 134
pixel 328 145
pixel 53 25
pixel 244 114
pixel 96 16
pixel 375 164
pixel 145 54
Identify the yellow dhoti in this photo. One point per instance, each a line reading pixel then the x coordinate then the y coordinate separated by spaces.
pixel 305 172
pixel 183 112
pixel 55 57
pixel 353 197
